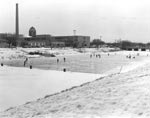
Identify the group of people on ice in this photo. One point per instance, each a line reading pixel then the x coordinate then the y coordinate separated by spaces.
pixel 63 59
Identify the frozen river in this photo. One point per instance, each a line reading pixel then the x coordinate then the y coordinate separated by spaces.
pixel 77 63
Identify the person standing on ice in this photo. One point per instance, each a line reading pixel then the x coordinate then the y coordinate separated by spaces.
pixel 99 56
pixel 57 60
pixel 25 62
pixel 64 59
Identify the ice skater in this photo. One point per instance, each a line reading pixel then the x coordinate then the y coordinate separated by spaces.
pixel 64 59
pixel 129 56
pixel 57 60
pixel 99 56
pixel 25 62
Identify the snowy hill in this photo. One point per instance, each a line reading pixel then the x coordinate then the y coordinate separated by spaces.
pixel 121 95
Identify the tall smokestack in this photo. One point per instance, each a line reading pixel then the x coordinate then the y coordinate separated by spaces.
pixel 17 22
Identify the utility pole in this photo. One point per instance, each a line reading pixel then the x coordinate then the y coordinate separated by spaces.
pixel 100 38
pixel 74 32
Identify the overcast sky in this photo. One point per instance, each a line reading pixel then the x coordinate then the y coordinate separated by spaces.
pixel 111 19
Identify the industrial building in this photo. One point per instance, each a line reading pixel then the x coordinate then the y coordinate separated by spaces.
pixel 34 40
pixel 74 41
pixel 38 41
pixel 43 40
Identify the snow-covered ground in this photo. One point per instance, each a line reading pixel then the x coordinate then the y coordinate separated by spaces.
pixel 125 94
pixel 13 53
pixel 17 53
pixel 19 85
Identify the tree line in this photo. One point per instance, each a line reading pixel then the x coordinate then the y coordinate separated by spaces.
pixel 123 44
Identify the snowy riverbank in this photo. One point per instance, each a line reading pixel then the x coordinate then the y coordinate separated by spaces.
pixel 91 98
pixel 20 80
pixel 121 95
pixel 18 53
pixel 30 84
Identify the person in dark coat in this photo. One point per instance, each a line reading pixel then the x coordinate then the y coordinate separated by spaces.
pixel 99 56
pixel 25 62
pixel 64 59
pixel 57 60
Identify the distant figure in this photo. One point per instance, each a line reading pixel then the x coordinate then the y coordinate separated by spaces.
pixel 64 59
pixel 90 56
pixel 57 60
pixel 108 54
pixel 25 62
pixel 99 56
pixel 129 56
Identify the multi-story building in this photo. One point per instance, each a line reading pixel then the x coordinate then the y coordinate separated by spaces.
pixel 34 40
pixel 74 41
pixel 44 40
pixel 38 41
